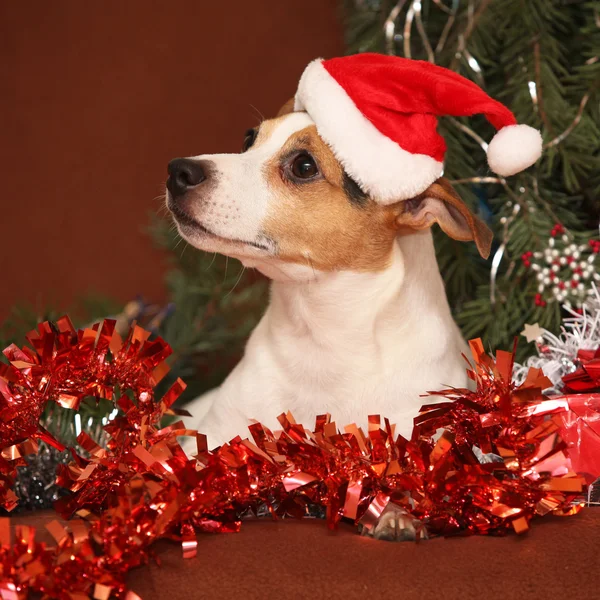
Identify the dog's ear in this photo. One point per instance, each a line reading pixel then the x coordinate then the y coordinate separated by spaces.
pixel 287 108
pixel 440 204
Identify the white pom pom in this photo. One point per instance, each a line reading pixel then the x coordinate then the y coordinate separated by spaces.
pixel 513 149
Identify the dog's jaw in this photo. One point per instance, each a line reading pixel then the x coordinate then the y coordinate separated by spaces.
pixel 199 236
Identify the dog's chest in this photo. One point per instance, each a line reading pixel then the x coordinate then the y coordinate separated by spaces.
pixel 349 377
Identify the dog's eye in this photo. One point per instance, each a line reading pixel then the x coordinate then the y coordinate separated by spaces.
pixel 304 166
pixel 249 139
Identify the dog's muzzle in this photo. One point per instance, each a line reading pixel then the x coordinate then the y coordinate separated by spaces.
pixel 184 175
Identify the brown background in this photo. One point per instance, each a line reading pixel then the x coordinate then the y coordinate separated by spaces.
pixel 96 97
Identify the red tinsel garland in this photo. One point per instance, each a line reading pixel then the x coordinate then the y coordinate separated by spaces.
pixel 143 487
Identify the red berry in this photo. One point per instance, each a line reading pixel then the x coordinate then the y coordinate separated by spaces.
pixel 539 301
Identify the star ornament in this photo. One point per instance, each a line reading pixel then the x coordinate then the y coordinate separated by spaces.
pixel 532 332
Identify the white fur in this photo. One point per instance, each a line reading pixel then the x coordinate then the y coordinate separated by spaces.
pixel 352 344
pixel 513 149
pixel 381 167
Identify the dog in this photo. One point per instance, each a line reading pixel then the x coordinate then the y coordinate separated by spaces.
pixel 358 321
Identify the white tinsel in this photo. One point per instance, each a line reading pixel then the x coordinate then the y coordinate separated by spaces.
pixel 557 355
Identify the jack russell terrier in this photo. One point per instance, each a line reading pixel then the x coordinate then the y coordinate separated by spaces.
pixel 358 321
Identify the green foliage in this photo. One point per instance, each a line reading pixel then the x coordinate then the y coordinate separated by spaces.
pixel 507 47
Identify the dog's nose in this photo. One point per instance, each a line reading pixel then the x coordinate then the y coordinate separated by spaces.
pixel 183 175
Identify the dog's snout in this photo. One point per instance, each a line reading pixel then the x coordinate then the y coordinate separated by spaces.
pixel 184 174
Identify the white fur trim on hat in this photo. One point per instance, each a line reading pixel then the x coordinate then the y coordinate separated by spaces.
pixel 513 149
pixel 380 166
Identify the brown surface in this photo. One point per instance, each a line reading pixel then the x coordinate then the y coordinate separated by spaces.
pixel 98 96
pixel 558 559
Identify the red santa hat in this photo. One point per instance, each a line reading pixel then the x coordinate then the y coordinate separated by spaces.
pixel 379 116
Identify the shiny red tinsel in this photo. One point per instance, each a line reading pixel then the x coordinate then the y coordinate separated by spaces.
pixel 143 487
pixel 587 376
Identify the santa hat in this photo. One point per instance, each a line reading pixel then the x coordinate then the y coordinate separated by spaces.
pixel 379 116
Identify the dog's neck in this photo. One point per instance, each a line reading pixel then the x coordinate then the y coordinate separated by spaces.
pixel 356 312
pixel 347 343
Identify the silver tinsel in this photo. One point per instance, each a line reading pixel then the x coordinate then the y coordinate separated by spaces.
pixel 557 355
pixel 35 484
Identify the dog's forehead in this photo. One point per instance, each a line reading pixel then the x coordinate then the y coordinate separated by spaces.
pixel 273 134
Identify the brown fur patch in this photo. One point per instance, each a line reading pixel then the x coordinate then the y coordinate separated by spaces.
pixel 314 222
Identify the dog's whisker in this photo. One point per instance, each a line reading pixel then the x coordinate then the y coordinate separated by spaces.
pixel 211 262
pixel 236 283
pixel 226 267
pixel 260 115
